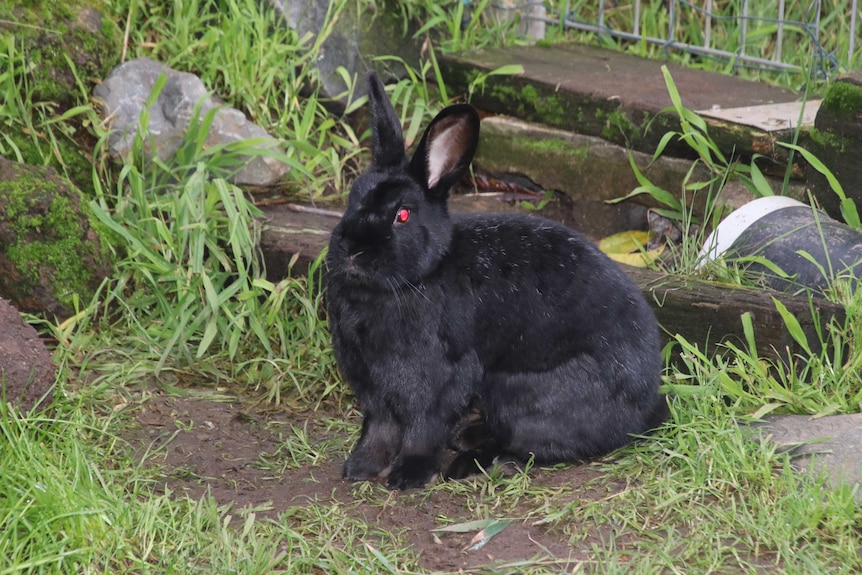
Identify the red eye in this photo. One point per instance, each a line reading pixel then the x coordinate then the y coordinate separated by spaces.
pixel 402 215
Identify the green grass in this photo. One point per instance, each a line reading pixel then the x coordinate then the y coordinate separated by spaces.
pixel 696 497
pixel 188 309
pixel 71 501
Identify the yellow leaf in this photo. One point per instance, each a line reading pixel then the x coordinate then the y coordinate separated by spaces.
pixel 624 242
pixel 637 259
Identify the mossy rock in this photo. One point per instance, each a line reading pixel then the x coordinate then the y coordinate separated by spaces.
pixel 50 252
pixel 46 33
pixel 63 154
pixel 841 109
pixel 44 38
pixel 836 141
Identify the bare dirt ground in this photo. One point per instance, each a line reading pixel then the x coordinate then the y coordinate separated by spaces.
pixel 26 367
pixel 233 452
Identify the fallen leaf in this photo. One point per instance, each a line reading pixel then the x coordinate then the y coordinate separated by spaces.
pixel 624 242
pixel 466 527
pixel 637 259
pixel 487 528
pixel 482 537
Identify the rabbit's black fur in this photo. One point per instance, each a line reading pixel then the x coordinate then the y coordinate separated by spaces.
pixel 515 316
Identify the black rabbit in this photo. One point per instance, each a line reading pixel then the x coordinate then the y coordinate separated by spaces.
pixel 517 317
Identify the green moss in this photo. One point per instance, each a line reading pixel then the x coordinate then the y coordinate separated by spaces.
pixel 617 124
pixel 47 37
pixel 828 139
pixel 47 229
pixel 555 146
pixel 843 99
pixel 50 32
pixel 528 102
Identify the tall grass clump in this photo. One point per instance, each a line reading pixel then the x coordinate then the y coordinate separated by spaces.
pixel 696 208
pixel 53 505
pixel 190 283
pixel 34 131
pixel 190 295
pixel 455 25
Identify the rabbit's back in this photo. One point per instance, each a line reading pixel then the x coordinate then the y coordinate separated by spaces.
pixel 541 292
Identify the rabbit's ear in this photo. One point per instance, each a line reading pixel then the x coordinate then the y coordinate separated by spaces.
pixel 388 146
pixel 446 149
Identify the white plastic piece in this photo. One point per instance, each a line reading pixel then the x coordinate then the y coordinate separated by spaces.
pixel 727 232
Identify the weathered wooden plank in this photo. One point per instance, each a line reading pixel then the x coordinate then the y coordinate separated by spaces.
pixel 707 313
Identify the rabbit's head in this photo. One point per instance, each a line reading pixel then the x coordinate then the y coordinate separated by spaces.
pixel 396 227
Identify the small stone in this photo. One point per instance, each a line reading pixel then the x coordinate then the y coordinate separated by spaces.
pixel 832 443
pixel 124 92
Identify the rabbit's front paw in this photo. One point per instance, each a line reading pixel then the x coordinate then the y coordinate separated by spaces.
pixel 412 471
pixel 360 467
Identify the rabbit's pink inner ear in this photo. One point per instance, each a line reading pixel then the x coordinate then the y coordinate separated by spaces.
pixel 446 150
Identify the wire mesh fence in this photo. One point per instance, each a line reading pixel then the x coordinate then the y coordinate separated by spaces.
pixel 785 35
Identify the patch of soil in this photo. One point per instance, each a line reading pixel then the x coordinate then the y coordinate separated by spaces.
pixel 234 453
pixel 27 370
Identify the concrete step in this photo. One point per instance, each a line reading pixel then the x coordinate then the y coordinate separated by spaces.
pixel 620 97
pixel 588 172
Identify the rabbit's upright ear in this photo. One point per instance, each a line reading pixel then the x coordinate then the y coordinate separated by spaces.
pixel 388 139
pixel 446 149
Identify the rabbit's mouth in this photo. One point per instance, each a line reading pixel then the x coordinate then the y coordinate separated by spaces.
pixel 371 279
pixel 353 267
pixel 355 272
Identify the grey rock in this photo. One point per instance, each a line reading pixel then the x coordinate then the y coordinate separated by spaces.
pixel 124 92
pixel 530 16
pixel 354 39
pixel 832 443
